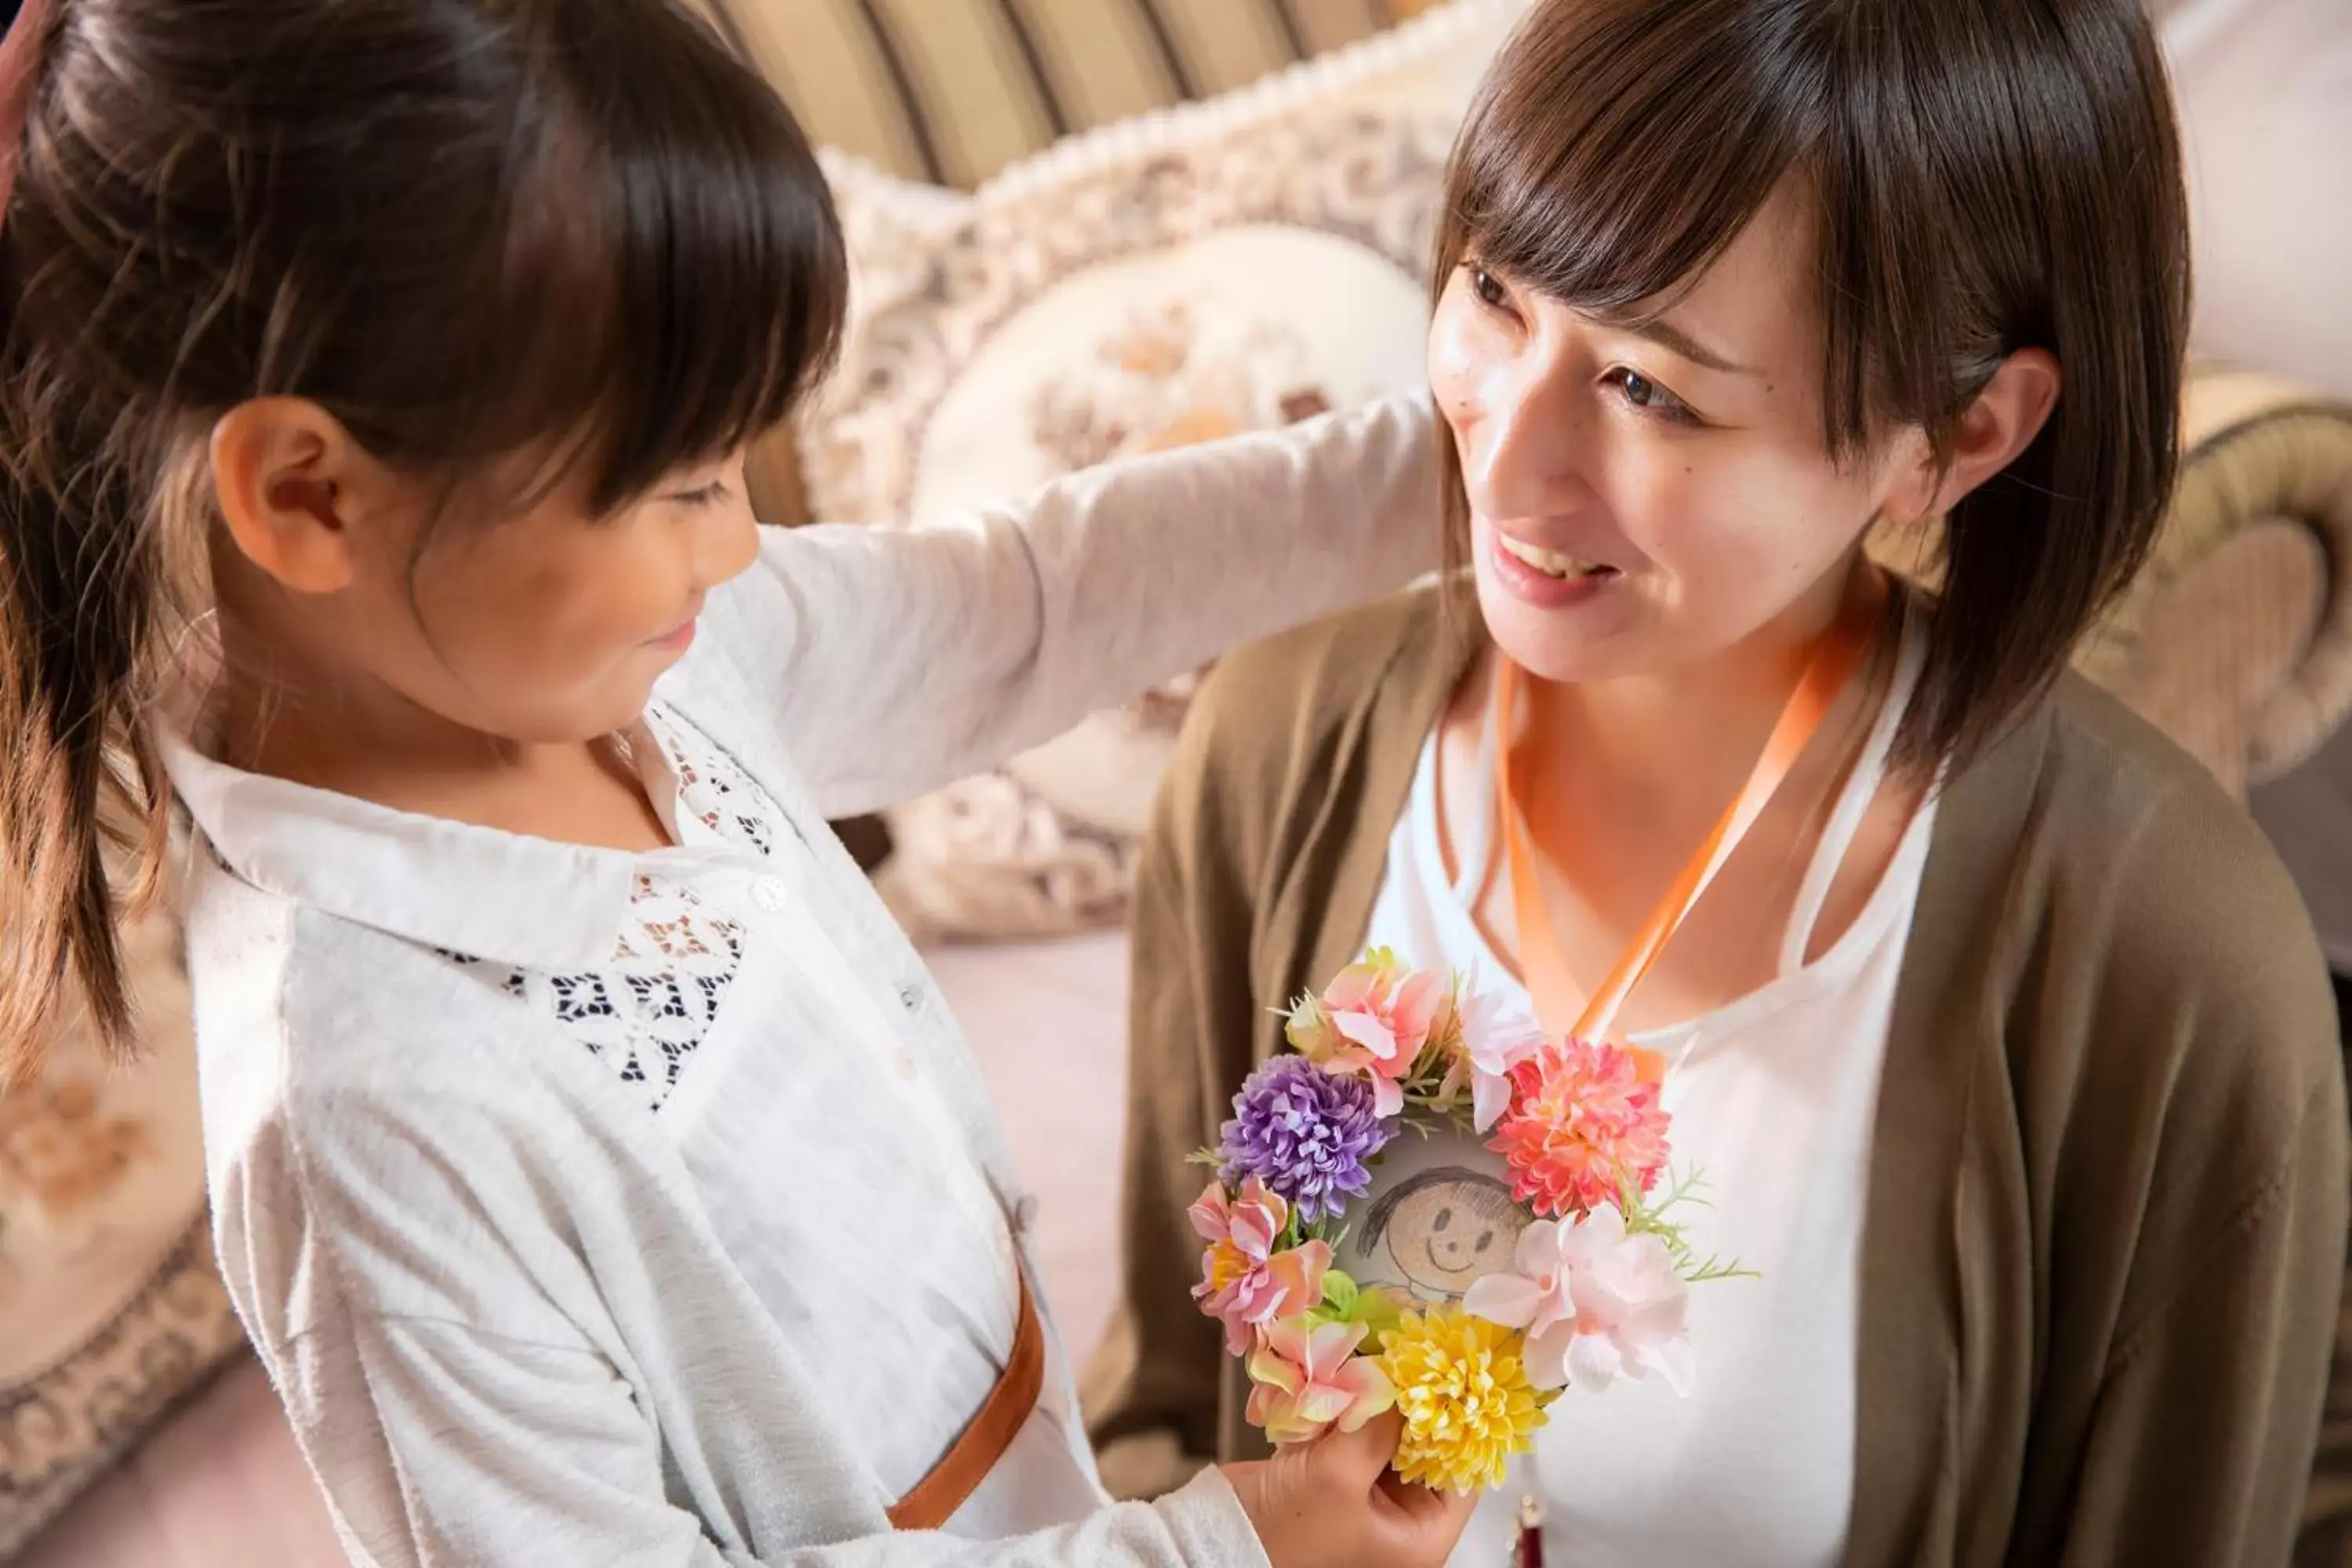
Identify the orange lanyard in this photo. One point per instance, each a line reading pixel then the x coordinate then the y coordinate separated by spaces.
pixel 1543 961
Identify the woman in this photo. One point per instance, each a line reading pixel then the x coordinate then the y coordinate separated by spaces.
pixel 2001 1038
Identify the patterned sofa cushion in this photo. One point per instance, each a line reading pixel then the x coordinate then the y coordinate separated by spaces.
pixel 110 1312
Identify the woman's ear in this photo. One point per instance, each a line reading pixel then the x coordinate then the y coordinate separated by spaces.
pixel 291 483
pixel 2000 422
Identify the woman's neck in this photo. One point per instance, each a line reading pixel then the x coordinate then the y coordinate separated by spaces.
pixel 1634 773
pixel 1692 732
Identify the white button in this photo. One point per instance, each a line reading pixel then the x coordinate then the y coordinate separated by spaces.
pixel 910 997
pixel 767 892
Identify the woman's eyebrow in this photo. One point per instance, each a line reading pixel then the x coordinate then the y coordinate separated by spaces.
pixel 1672 338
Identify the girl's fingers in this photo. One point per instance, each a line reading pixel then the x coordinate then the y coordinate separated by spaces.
pixel 1357 1459
pixel 1423 1507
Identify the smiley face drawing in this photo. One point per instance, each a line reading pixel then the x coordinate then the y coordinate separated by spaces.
pixel 1443 1230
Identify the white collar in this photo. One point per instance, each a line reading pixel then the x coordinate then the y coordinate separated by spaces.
pixel 534 903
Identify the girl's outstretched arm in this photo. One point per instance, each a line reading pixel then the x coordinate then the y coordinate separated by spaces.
pixel 902 658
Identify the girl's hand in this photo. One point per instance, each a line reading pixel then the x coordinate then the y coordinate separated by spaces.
pixel 1334 1503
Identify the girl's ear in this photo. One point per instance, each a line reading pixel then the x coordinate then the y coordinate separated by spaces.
pixel 292 484
pixel 2000 422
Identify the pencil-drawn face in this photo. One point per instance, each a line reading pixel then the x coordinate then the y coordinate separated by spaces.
pixel 1446 1230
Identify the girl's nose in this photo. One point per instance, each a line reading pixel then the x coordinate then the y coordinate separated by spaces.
pixel 725 545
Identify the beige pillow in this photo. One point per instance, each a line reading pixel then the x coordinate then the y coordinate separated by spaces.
pixel 1213 268
pixel 110 1309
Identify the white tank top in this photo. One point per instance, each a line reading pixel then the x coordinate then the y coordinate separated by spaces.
pixel 1772 1097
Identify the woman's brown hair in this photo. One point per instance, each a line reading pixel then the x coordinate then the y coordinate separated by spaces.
pixel 467 229
pixel 1988 175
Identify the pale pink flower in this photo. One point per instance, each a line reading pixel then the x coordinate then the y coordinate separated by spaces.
pixel 1307 1379
pixel 1601 1304
pixel 1373 1019
pixel 1244 1280
pixel 1487 1043
pixel 1537 1297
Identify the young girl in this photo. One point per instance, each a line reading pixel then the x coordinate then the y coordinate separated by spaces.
pixel 594 1166
pixel 1999 1039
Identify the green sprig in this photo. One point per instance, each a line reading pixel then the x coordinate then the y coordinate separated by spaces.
pixel 1645 1216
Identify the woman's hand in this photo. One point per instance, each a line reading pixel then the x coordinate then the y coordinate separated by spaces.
pixel 1334 1503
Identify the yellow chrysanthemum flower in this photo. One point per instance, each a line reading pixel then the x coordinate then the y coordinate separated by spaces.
pixel 1464 1393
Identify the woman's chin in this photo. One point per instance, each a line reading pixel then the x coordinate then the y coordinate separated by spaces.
pixel 1599 636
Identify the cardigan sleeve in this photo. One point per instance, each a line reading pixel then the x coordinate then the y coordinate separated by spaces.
pixel 902 658
pixel 2199 1449
pixel 1261 862
pixel 2198 1263
pixel 1152 1393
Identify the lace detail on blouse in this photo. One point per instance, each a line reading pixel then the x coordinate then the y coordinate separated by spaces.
pixel 717 793
pixel 653 1005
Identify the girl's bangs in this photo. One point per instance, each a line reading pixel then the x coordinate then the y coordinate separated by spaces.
pixel 676 279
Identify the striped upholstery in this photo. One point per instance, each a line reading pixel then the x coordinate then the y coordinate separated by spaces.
pixel 950 91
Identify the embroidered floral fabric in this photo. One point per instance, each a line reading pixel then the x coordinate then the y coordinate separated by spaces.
pixel 676 957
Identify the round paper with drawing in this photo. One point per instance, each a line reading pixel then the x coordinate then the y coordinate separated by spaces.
pixel 1439 1217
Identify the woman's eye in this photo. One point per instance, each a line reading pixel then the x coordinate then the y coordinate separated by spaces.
pixel 702 495
pixel 1487 287
pixel 1650 398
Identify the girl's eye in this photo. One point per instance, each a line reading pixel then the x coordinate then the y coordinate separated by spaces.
pixel 1486 287
pixel 1650 398
pixel 702 495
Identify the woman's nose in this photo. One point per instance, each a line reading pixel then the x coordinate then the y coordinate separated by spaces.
pixel 1524 450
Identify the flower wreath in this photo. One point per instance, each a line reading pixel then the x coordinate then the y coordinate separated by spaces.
pixel 1599 1280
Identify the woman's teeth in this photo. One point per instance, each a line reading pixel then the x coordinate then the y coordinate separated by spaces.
pixel 1551 563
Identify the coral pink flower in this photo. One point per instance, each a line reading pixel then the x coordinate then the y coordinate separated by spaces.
pixel 1310 1378
pixel 1583 1124
pixel 1374 1019
pixel 1244 1280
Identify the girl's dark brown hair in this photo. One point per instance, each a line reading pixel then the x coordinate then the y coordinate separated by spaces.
pixel 469 230
pixel 1988 175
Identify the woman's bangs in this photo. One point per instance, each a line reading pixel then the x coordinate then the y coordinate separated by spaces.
pixel 1612 196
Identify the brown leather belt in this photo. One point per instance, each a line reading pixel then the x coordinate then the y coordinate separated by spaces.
pixel 1001 1415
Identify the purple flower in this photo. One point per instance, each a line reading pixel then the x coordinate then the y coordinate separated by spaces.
pixel 1306 1133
